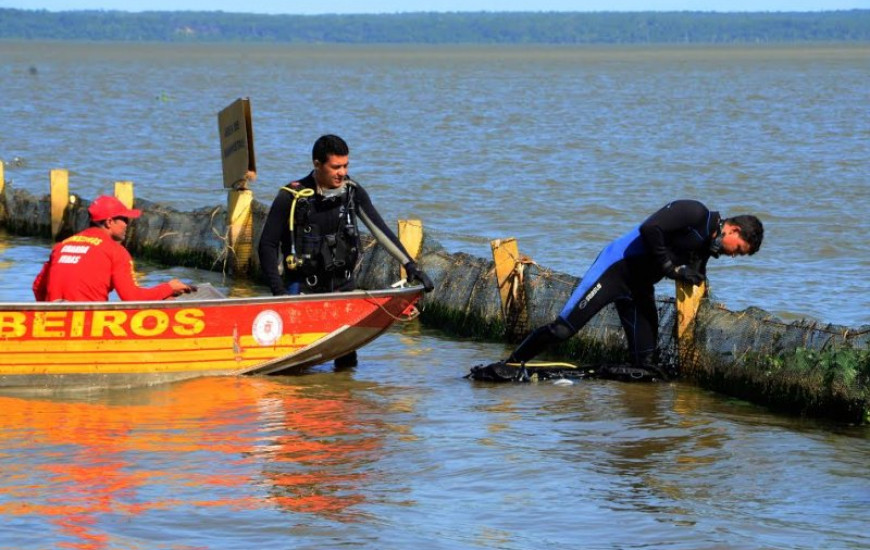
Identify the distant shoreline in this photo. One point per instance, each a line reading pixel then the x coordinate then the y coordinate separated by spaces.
pixel 496 28
pixel 448 49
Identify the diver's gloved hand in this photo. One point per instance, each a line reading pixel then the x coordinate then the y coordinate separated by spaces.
pixel 686 274
pixel 415 273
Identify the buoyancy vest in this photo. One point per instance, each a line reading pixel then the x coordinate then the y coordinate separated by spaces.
pixel 323 255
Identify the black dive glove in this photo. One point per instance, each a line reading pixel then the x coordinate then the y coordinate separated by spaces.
pixel 686 274
pixel 415 273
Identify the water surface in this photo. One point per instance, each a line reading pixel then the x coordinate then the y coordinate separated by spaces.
pixel 564 148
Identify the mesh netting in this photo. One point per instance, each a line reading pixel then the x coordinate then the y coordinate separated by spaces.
pixel 801 366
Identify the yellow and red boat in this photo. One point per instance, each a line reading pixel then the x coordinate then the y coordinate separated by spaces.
pixel 54 345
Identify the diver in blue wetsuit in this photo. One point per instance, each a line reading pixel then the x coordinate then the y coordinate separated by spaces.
pixel 674 242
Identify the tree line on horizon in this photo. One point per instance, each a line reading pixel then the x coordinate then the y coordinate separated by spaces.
pixel 441 28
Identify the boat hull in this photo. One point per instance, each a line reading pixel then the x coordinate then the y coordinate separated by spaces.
pixel 106 344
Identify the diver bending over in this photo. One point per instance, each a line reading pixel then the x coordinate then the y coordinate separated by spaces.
pixel 674 242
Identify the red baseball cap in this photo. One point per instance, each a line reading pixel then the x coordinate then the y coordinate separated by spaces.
pixel 106 206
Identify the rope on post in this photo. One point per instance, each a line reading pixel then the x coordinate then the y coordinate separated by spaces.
pixel 240 234
pixel 509 274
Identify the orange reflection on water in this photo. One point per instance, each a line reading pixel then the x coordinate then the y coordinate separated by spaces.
pixel 236 443
pixel 314 466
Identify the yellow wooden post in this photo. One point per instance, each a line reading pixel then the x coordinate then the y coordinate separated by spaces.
pixel 505 254
pixel 2 177
pixel 240 223
pixel 509 273
pixel 509 267
pixel 124 192
pixel 688 301
pixel 59 184
pixel 411 237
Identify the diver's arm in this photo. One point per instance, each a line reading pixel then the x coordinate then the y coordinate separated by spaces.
pixel 674 216
pixel 270 242
pixel 379 230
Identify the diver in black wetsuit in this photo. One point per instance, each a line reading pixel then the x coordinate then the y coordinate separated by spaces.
pixel 312 226
pixel 320 245
pixel 674 242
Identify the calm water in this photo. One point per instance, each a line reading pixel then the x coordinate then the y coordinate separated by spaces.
pixel 562 148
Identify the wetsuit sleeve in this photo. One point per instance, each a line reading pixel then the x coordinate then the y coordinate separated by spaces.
pixel 675 216
pixel 379 230
pixel 269 249
pixel 124 283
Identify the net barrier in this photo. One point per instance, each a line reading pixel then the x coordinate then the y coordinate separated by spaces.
pixel 803 367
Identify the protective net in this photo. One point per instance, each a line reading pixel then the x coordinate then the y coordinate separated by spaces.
pixel 803 366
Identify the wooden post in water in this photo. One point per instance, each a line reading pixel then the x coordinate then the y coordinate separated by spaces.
pixel 688 301
pixel 411 237
pixel 240 169
pixel 124 192
pixel 505 253
pixel 241 227
pixel 59 184
pixel 509 278
pixel 2 177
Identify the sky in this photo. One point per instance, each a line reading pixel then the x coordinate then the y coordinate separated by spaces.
pixel 312 7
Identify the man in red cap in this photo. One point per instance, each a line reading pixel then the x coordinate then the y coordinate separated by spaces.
pixel 89 265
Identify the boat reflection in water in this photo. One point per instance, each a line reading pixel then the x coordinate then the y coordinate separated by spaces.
pixel 216 446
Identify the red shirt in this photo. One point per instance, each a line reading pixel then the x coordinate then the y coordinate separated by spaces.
pixel 87 267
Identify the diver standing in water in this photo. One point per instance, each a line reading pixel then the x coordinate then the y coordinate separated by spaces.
pixel 312 227
pixel 674 242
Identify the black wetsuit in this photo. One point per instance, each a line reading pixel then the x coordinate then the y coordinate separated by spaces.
pixel 325 231
pixel 625 272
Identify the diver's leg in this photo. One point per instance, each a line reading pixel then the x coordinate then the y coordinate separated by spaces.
pixel 585 302
pixel 640 321
pixel 540 339
pixel 639 318
pixel 345 284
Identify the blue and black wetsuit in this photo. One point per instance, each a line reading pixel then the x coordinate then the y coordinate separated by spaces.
pixel 625 272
